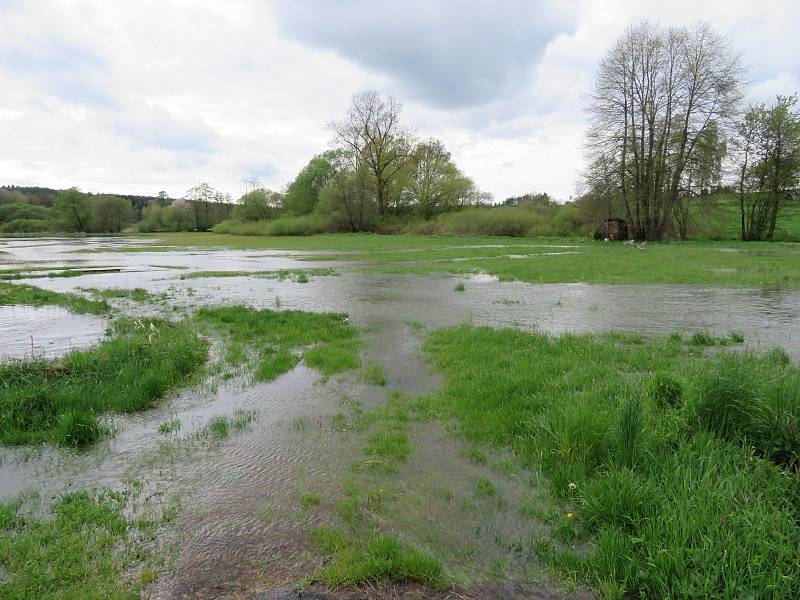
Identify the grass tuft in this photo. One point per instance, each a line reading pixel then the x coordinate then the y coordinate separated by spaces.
pixel 378 558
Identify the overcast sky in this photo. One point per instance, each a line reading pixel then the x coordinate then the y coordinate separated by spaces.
pixel 137 97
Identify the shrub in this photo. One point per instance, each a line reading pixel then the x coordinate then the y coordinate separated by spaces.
pixel 288 225
pixel 26 226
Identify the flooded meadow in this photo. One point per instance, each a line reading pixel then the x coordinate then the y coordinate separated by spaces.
pixel 253 466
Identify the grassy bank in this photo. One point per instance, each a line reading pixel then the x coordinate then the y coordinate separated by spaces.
pixel 535 260
pixel 676 471
pixel 12 293
pixel 60 400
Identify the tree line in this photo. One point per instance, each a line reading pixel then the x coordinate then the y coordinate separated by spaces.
pixel 376 169
pixel 668 126
pixel 37 210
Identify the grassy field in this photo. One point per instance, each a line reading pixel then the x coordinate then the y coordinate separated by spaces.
pixel 677 471
pixel 729 264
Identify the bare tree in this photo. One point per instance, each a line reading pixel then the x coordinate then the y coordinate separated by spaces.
pixel 657 92
pixel 373 140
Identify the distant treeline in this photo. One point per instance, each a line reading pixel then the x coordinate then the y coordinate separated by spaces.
pixel 26 210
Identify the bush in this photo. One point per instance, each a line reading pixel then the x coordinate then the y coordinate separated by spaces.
pixel 27 226
pixel 302 225
pixel 23 211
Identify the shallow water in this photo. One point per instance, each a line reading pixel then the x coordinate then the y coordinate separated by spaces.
pixel 45 331
pixel 230 486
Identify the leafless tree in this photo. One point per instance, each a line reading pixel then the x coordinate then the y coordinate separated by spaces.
pixel 373 140
pixel 656 93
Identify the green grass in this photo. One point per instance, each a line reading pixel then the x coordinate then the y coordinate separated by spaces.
pixel 374 375
pixel 379 557
pixel 729 264
pixel 81 550
pixel 12 293
pixel 60 400
pixel 278 339
pixel 675 469
pixel 310 499
pixel 459 286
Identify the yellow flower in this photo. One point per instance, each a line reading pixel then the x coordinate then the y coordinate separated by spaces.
pixel 570 515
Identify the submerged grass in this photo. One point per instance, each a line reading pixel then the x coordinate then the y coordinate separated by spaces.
pixel 12 293
pixel 82 549
pixel 60 400
pixel 679 468
pixel 279 339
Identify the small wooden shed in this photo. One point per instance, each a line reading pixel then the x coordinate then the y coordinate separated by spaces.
pixel 615 230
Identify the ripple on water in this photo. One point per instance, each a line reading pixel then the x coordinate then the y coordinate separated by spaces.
pixel 45 331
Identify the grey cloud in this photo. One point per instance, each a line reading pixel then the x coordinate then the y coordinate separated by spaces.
pixel 450 53
pixel 159 128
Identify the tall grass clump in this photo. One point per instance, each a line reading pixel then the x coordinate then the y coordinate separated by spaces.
pixel 754 402
pixel 665 390
pixel 692 494
pixel 60 400
pixel 353 560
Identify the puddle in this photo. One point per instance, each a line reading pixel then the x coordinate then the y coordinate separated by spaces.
pixel 45 331
pixel 241 528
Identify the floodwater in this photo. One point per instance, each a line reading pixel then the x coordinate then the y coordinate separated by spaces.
pixel 45 331
pixel 241 529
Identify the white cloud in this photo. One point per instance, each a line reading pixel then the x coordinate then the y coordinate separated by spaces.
pixel 138 97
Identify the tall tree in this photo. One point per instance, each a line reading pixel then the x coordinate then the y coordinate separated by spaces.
pixel 73 207
pixel 200 198
pixel 702 173
pixel 436 184
pixel 111 213
pixel 259 204
pixel 657 92
pixel 767 164
pixel 302 195
pixel 374 142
